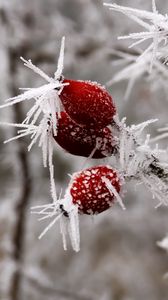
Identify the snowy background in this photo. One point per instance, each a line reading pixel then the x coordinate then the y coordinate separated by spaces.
pixel 119 258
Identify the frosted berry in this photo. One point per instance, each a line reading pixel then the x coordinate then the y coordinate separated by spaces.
pixel 90 192
pixel 88 103
pixel 81 140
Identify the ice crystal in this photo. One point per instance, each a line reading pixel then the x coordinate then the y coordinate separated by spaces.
pixel 138 161
pixel 163 243
pixel 155 28
pixel 64 211
pixel 134 69
pixel 163 133
pixel 41 120
pixel 113 191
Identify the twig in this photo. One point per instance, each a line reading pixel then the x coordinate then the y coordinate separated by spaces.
pixel 22 202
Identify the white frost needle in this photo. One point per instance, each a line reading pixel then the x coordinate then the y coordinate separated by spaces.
pixel 113 191
pixel 49 226
pixel 66 212
pixel 32 93
pixel 41 119
pixel 157 187
pixel 60 65
pixel 155 25
pixel 35 69
pixel 138 66
pixel 163 243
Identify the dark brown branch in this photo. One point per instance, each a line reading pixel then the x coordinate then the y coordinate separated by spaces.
pixel 25 177
pixel 25 183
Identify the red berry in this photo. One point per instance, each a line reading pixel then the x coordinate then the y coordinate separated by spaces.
pixel 81 140
pixel 88 103
pixel 90 192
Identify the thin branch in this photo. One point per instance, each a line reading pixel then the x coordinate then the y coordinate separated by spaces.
pixel 22 202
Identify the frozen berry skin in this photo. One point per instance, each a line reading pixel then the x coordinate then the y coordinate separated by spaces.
pixel 90 192
pixel 88 103
pixel 80 140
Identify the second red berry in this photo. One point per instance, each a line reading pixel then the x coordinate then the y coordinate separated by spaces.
pixel 88 103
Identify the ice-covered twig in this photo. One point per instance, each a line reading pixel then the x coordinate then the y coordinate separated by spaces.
pixel 138 161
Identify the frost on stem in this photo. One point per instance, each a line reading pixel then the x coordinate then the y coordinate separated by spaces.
pixel 138 161
pixel 41 120
pixel 154 24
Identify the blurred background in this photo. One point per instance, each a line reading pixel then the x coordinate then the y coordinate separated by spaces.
pixel 119 258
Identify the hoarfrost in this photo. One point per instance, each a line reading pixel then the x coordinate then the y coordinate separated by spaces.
pixel 41 120
pixel 64 211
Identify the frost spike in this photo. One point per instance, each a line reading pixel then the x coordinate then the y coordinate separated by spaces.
pixel 49 226
pixel 31 66
pixel 113 192
pixel 60 65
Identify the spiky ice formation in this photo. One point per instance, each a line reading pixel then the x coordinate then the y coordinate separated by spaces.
pixel 41 122
pixel 64 211
pixel 138 161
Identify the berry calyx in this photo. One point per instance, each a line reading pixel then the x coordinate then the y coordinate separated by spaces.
pixel 90 191
pixel 84 141
pixel 88 103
